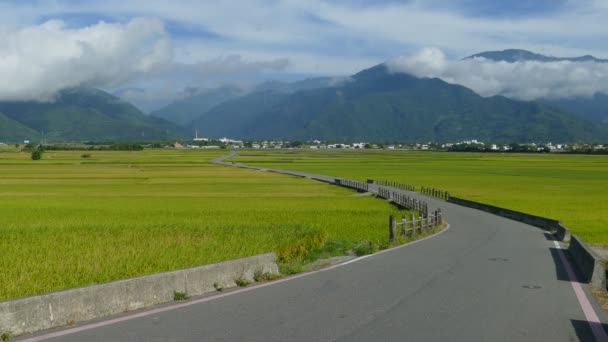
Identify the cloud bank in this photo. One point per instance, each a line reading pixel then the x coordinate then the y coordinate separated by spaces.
pixel 526 80
pixel 37 61
pixel 235 64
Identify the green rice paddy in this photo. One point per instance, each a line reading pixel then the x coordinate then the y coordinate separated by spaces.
pixel 571 188
pixel 66 221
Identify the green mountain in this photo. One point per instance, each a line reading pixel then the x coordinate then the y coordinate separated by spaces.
pixel 378 105
pixel 517 55
pixel 184 111
pixel 14 131
pixel 85 114
pixel 594 108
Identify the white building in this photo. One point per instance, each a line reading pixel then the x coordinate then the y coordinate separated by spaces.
pixel 197 138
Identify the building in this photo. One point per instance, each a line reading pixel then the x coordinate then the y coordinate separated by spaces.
pixel 197 138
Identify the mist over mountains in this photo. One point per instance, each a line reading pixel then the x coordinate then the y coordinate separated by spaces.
pixel 423 107
pixel 501 96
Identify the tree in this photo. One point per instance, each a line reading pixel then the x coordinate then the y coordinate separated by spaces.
pixel 36 155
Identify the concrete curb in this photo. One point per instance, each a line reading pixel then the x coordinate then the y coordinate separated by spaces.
pixel 66 307
pixel 590 266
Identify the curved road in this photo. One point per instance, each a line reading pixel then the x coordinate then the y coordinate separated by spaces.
pixel 485 279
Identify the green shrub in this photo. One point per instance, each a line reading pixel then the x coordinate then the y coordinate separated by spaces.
pixel 85 155
pixel 261 276
pixel 364 248
pixel 180 295
pixel 5 336
pixel 290 268
pixel 36 155
pixel 242 282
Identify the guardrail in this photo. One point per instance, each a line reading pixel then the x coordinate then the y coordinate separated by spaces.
pixel 440 194
pixel 404 200
pixel 406 187
pixel 348 183
pixel 417 225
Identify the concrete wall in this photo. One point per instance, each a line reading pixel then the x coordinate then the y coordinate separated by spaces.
pixel 590 266
pixel 66 307
pixel 561 232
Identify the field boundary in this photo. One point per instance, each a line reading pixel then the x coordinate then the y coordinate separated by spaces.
pixel 66 307
pixel 590 266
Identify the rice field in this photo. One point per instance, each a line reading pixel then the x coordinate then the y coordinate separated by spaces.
pixel 66 221
pixel 571 188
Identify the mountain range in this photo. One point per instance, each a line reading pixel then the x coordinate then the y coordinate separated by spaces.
pixel 184 111
pixel 81 114
pixel 374 104
pixel 518 55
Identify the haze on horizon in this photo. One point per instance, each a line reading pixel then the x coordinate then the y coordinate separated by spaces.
pixel 154 52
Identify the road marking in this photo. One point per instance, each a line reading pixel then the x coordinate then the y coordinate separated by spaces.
pixel 592 318
pixel 214 297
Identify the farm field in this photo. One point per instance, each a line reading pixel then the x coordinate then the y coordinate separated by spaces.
pixel 571 188
pixel 68 221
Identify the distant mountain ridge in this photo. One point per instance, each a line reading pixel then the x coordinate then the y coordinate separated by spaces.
pixel 82 114
pixel 378 105
pixel 518 55
pixel 373 105
pixel 184 111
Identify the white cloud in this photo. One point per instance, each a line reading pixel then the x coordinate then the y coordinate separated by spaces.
pixel 316 36
pixel 236 64
pixel 526 80
pixel 37 61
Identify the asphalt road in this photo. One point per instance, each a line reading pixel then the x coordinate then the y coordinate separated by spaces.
pixel 484 279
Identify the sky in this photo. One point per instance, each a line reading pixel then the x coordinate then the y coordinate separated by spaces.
pixel 151 52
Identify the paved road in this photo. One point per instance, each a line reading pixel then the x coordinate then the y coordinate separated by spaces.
pixel 485 279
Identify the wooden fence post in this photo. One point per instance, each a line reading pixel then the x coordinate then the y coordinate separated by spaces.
pixel 392 228
pixel 413 226
pixel 404 226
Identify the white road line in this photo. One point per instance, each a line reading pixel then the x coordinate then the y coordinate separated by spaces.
pixel 590 314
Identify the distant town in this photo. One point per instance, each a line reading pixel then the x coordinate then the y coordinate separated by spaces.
pixel 461 146
pixel 228 143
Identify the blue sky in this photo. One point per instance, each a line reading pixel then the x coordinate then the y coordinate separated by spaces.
pixel 289 39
